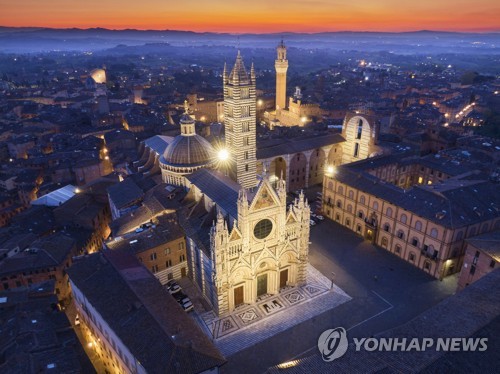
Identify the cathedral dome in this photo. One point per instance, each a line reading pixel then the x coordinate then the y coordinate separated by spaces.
pixel 189 151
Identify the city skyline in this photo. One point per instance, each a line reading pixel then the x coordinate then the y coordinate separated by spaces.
pixel 308 16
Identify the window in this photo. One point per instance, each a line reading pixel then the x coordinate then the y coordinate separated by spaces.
pixel 411 257
pixel 351 194
pixel 434 233
pixel 403 218
pixel 356 149
pixel 340 190
pixel 472 269
pixel 427 265
pixel 152 256
pixel 418 226
pixel 154 268
pixel 375 205
pixel 387 227
pixel 398 249
pixel 384 242
pixel 492 264
pixel 181 245
pixel 362 200
pixel 347 222
pixel 358 228
pixel 168 263
pixel 330 185
pixel 182 258
pixel 360 214
pixel 414 242
pixel 349 208
pixel 360 129
pixel 401 234
pixel 337 217
pixel 388 212
pixel 245 155
pixel 246 167
pixel 167 251
pixel 170 276
pixel 339 204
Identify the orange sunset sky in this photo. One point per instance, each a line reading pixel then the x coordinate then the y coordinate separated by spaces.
pixel 260 16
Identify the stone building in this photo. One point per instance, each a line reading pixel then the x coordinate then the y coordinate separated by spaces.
pixel 244 244
pixel 243 241
pixel 482 256
pixel 423 221
pixel 240 122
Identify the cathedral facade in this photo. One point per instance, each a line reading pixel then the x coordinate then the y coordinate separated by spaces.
pixel 265 250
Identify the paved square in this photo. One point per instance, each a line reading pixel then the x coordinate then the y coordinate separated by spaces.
pixel 251 324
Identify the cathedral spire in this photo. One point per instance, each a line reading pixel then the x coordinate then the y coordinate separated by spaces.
pixel 252 73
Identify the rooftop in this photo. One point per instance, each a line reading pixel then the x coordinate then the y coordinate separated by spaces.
pixel 146 318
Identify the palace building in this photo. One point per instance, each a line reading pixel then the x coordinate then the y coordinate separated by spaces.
pixel 298 113
pixel 422 209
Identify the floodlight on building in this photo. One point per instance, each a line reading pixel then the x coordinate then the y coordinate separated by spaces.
pixel 260 102
pixel 304 119
pixel 330 170
pixel 77 190
pixel 223 155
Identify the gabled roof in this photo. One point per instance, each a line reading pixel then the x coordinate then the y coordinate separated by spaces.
pixel 222 190
pixel 57 197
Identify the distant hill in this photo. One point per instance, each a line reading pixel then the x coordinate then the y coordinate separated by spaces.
pixel 36 39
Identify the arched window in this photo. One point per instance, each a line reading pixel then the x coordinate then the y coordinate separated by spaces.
pixel 403 219
pixel 349 208
pixel 330 186
pixel 397 250
pixel 427 265
pixel 401 234
pixel 360 129
pixel 351 194
pixel 388 212
pixel 387 227
pixel 339 204
pixel 414 242
pixel 358 229
pixel 362 200
pixel 348 222
pixel 418 226
pixel 384 242
pixel 340 190
pixel 434 233
pixel 375 205
pixel 360 214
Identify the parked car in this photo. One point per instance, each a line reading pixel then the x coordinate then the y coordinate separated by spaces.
pixel 181 298
pixel 311 222
pixel 173 287
pixel 187 306
pixel 139 229
pixel 77 320
pixel 320 217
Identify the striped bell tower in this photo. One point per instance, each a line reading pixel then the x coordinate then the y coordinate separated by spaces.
pixel 240 122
